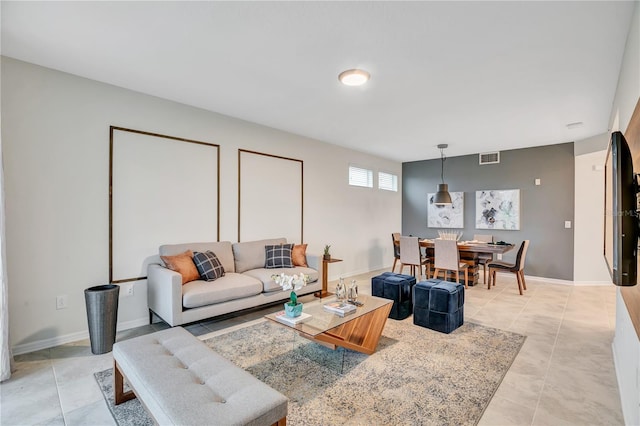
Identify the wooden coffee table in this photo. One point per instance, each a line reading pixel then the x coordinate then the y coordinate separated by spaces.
pixel 359 331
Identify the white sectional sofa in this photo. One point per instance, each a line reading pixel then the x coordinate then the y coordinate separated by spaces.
pixel 246 283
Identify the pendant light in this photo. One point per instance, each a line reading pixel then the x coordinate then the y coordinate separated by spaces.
pixel 442 197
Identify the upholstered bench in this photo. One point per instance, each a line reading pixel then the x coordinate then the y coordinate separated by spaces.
pixel 438 305
pixel 396 287
pixel 181 381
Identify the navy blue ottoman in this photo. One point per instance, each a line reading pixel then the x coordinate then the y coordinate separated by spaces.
pixel 396 287
pixel 438 305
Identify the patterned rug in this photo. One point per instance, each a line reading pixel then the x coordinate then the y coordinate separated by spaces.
pixel 417 376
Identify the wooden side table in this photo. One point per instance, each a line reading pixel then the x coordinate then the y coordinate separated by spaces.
pixel 325 270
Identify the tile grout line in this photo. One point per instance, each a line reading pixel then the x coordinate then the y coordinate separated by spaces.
pixel 520 313
pixel 55 378
pixel 553 350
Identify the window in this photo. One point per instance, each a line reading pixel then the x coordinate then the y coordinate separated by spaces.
pixel 360 177
pixel 387 181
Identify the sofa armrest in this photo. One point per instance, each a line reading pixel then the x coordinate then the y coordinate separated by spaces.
pixel 164 293
pixel 314 261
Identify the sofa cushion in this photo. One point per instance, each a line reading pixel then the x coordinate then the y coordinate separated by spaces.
pixel 231 286
pixel 299 255
pixel 278 256
pixel 250 255
pixel 183 264
pixel 222 249
pixel 268 285
pixel 208 265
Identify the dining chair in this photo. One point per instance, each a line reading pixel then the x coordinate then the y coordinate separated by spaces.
pixel 411 255
pixel 447 258
pixel 395 237
pixel 517 268
pixel 484 258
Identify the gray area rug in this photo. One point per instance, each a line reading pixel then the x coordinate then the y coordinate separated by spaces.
pixel 416 377
pixel 130 413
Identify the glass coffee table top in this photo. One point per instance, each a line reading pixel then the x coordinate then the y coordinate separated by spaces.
pixel 322 321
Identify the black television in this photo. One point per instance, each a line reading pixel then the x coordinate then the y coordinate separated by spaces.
pixel 621 227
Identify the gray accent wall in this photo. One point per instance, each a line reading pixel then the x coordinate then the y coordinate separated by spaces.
pixel 544 208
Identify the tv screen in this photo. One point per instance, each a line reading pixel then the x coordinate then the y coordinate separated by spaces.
pixel 621 216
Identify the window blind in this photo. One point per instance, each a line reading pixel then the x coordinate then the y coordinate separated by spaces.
pixel 360 177
pixel 387 181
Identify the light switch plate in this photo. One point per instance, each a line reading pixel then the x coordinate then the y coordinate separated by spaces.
pixel 567 224
pixel 62 302
pixel 126 289
pixel 537 182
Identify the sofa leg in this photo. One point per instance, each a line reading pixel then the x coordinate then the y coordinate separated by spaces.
pixel 150 317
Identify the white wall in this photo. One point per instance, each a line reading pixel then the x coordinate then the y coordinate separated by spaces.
pixel 629 80
pixel 625 343
pixel 626 355
pixel 589 266
pixel 55 132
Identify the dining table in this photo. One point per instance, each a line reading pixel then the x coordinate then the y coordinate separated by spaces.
pixel 469 254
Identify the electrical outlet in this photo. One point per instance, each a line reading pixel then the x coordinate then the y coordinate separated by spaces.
pixel 126 289
pixel 62 302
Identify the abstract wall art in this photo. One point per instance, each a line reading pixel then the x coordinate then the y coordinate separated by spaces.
pixel 498 209
pixel 451 216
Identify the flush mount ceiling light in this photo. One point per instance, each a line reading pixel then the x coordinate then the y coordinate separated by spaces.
pixel 354 77
pixel 442 197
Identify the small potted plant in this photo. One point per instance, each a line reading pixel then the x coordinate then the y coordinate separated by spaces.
pixel 327 254
pixel 292 308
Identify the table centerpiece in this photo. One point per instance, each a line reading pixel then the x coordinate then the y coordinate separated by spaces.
pixel 292 308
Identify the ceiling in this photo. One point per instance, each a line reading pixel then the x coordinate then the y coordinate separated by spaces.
pixel 480 76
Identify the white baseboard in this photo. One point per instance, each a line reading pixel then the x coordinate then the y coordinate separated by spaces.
pixel 591 283
pixel 357 272
pixel 547 280
pixel 559 281
pixel 72 337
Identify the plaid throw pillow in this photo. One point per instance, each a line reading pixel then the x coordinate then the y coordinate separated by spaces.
pixel 208 265
pixel 278 256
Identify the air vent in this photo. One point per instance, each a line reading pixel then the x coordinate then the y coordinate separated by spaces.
pixel 490 158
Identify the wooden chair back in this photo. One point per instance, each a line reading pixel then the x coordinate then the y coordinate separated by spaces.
pixel 410 251
pixel 446 254
pixel 520 257
pixel 395 239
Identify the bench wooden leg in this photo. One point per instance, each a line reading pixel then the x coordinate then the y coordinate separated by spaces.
pixel 281 422
pixel 119 395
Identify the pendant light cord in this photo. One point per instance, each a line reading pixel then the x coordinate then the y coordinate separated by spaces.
pixel 443 158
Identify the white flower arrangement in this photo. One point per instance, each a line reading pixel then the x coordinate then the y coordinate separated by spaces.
pixel 291 282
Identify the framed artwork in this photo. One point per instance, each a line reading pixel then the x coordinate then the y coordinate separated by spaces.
pixel 498 209
pixel 145 170
pixel 451 216
pixel 262 178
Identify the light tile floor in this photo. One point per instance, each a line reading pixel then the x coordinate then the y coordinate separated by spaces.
pixel 563 375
